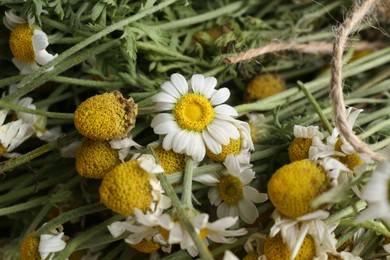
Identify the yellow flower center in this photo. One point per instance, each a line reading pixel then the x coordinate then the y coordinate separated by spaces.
pixel 170 161
pixel 146 246
pixel 275 249
pixel 251 256
pixel 20 42
pixel 234 147
pixel 351 160
pixel 2 150
pixel 29 248
pixel 164 233
pixel 95 158
pixel 203 233
pixel 293 186
pixel 230 189
pixel 126 187
pixel 193 112
pixel 263 86
pixel 299 148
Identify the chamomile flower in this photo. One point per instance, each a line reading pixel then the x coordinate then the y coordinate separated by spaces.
pixel 294 232
pixel 133 184
pixel 262 86
pixel 303 140
pixel 12 134
pixel 240 148
pixel 376 193
pixel 197 120
pixel 29 250
pixel 27 42
pixel 230 190
pixel 254 247
pixel 216 231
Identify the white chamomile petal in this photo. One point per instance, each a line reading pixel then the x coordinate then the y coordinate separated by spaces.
pixel 197 83
pixel 248 211
pixel 39 40
pixel 220 96
pixel 180 83
pixel 169 88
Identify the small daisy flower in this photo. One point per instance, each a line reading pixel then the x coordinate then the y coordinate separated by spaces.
pixel 27 43
pixel 240 148
pixel 216 231
pixel 198 117
pixel 37 122
pixel 376 192
pixel 49 244
pixel 262 86
pixel 106 116
pixel 293 232
pixel 230 190
pixel 133 184
pixel 300 145
pixel 12 135
pixel 293 186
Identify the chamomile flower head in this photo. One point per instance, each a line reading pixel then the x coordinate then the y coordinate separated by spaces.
pixel 27 42
pixel 262 86
pixel 300 145
pixel 230 190
pixel 377 193
pixel 254 246
pixel 146 246
pixel 106 116
pixel 276 249
pixel 95 158
pixel 197 120
pixel 293 186
pixel 29 250
pixel 293 232
pixel 170 161
pixel 12 134
pixel 258 127
pixel 131 185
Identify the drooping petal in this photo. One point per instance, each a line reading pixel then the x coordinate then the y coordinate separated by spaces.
pixel 214 197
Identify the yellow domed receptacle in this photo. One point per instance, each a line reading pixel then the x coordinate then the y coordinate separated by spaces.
pixel 293 186
pixel 262 86
pixel 233 147
pixel 29 250
pixel 95 158
pixel 146 246
pixel 106 116
pixel 170 161
pixel 20 42
pixel 299 148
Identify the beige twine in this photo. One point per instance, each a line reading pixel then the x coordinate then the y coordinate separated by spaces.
pixel 336 86
pixel 310 47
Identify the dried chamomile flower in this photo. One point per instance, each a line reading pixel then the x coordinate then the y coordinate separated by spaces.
pixel 170 161
pixel 300 145
pixel 95 158
pixel 262 86
pixel 293 186
pixel 27 43
pixel 29 250
pixel 275 248
pixel 106 116
pixel 131 185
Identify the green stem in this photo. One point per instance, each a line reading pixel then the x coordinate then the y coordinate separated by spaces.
pixel 186 197
pixel 10 80
pixel 69 215
pixel 345 236
pixel 113 254
pixel 60 58
pixel 12 163
pixel 89 83
pixel 102 240
pixel 24 206
pixel 363 241
pixel 178 176
pixel 15 107
pixel 84 236
pixel 345 212
pixel 376 128
pixel 317 107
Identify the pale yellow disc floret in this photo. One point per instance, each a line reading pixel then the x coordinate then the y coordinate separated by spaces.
pixel 95 158
pixel 350 160
pixel 299 148
pixel 106 116
pixel 193 112
pixel 262 86
pixel 170 161
pixel 293 186
pixel 275 249
pixel 146 246
pixel 126 187
pixel 29 248
pixel 230 189
pixel 251 256
pixel 233 147
pixel 20 42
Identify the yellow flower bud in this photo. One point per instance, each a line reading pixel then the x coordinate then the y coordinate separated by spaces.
pixel 262 86
pixel 29 248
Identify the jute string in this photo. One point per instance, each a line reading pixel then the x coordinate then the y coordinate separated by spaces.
pixel 336 85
